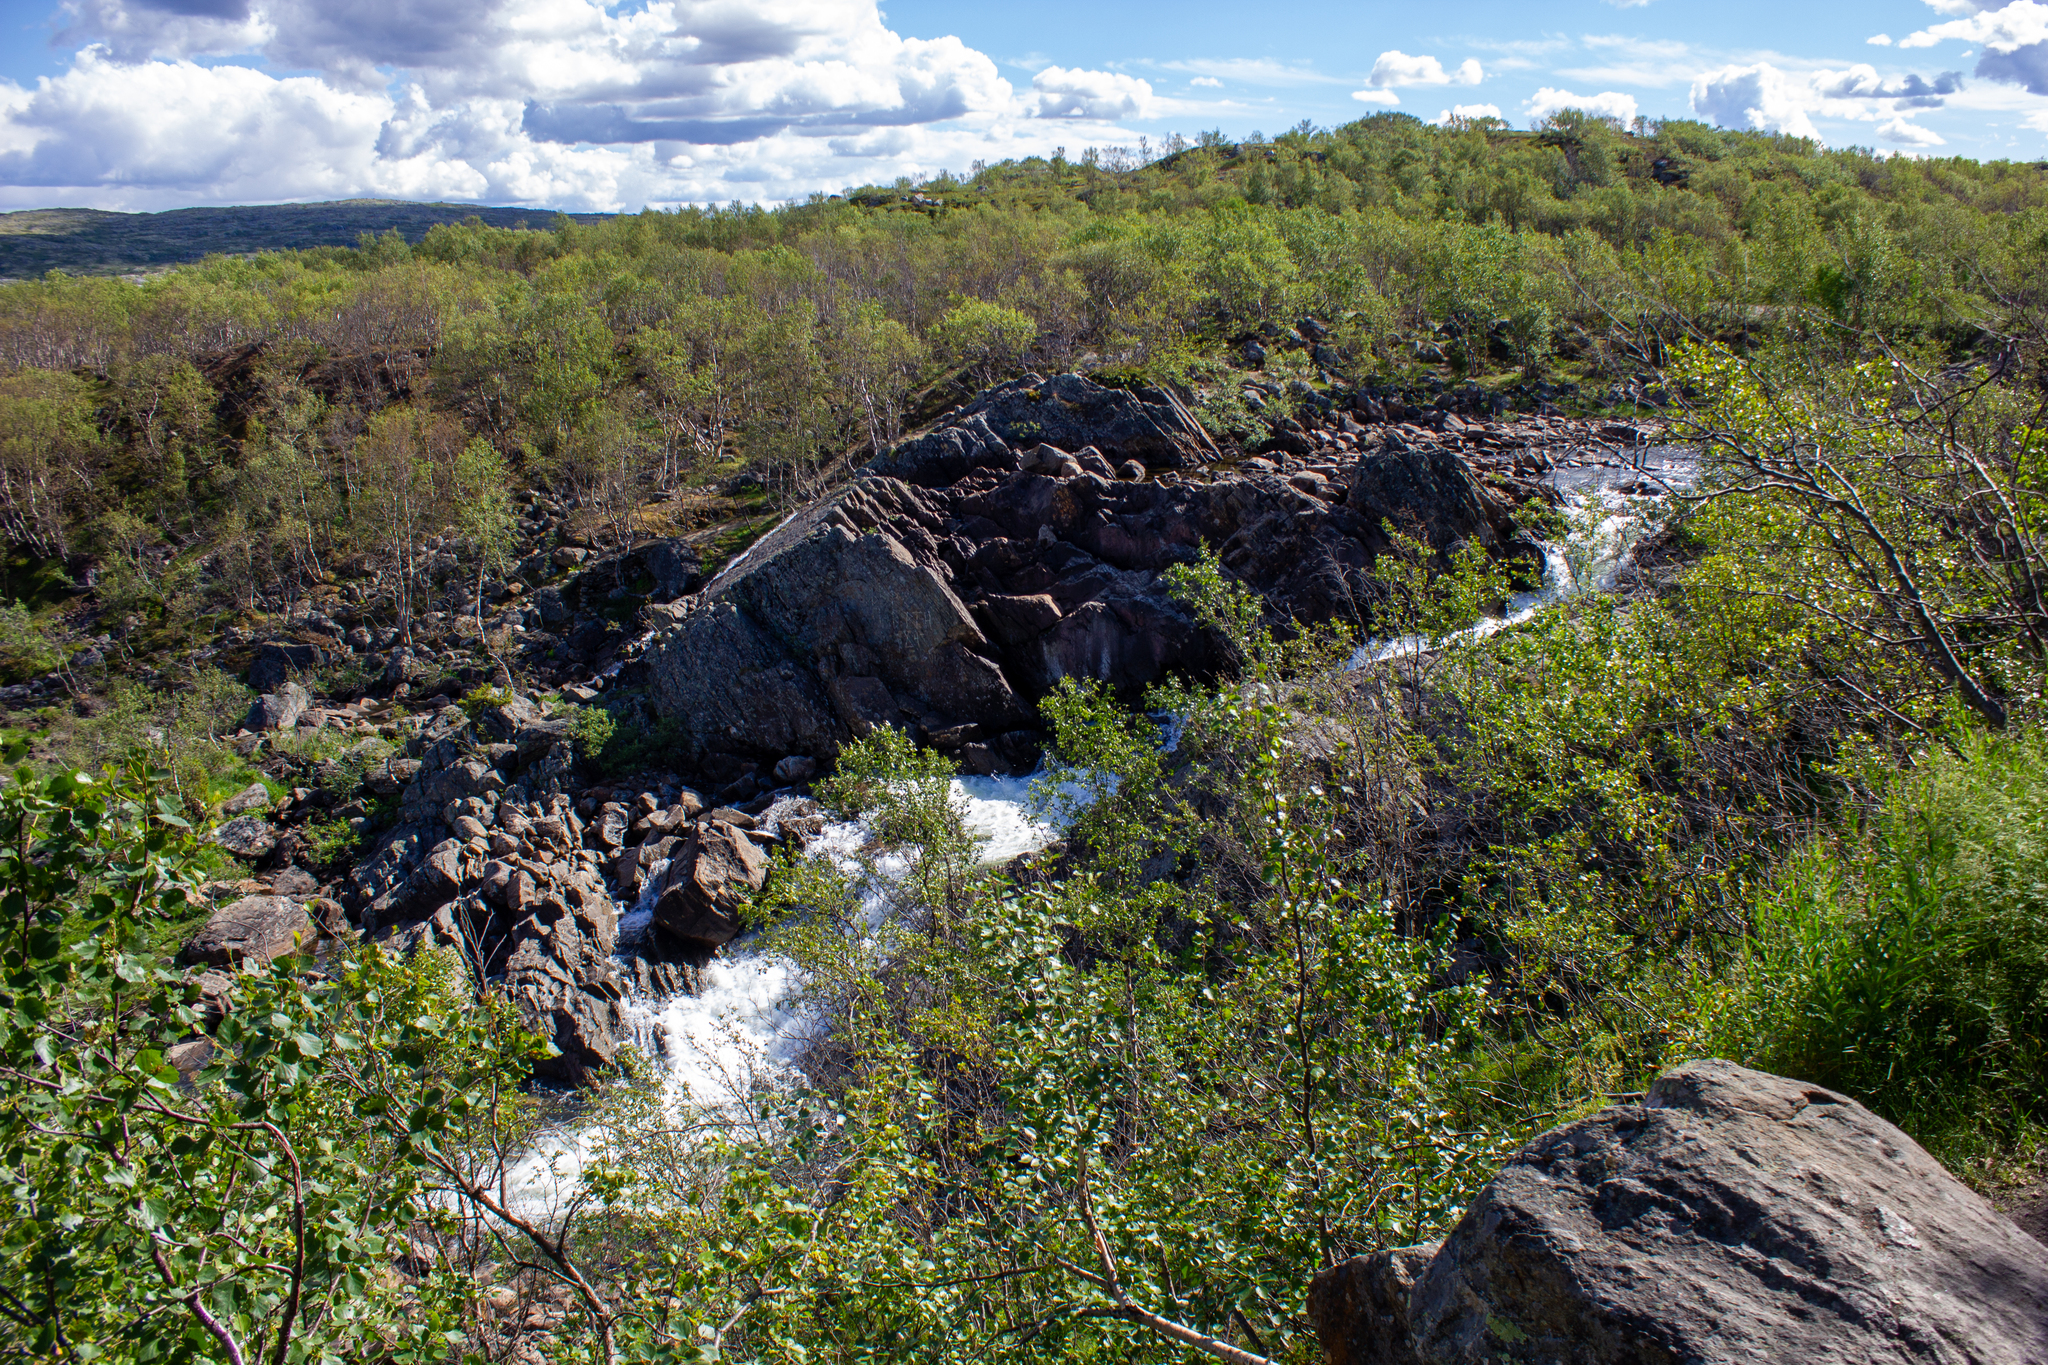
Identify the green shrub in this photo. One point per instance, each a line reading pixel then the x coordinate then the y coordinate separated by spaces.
pixel 590 729
pixel 1906 963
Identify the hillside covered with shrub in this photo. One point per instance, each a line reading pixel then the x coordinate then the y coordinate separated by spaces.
pixel 1348 902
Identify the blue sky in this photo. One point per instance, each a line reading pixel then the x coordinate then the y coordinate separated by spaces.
pixel 585 104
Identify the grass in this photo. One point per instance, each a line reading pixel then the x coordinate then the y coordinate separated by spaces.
pixel 1905 961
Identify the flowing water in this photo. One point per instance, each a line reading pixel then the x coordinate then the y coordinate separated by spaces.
pixel 745 1028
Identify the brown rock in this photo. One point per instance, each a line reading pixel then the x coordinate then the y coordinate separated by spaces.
pixel 708 882
pixel 252 929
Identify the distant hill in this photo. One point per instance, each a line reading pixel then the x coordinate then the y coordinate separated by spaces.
pixel 95 242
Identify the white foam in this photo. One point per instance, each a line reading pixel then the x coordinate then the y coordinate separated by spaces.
pixel 1607 523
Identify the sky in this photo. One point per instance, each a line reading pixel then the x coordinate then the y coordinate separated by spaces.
pixel 602 105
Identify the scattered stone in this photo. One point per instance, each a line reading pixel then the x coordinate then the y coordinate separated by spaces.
pixel 253 797
pixel 246 836
pixel 279 710
pixel 796 768
pixel 293 881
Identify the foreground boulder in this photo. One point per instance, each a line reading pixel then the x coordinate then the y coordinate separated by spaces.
pixel 1732 1216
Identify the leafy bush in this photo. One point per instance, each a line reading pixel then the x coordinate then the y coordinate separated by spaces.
pixel 1906 962
pixel 590 730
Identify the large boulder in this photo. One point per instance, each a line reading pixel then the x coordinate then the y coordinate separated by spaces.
pixel 708 882
pixel 1731 1216
pixel 252 929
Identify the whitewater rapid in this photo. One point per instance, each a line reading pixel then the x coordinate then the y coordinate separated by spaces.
pixel 745 1028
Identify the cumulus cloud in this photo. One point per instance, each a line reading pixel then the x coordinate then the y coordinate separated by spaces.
pixel 2014 37
pixel 1384 98
pixel 1397 68
pixel 1766 98
pixel 1059 93
pixel 1469 111
pixel 1760 97
pixel 1906 134
pixel 1607 104
pixel 1879 40
pixel 1209 81
pixel 578 103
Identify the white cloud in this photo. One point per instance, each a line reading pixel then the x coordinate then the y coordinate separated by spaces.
pixel 1607 104
pixel 2019 24
pixel 1209 81
pixel 1628 4
pixel 1909 134
pixel 575 103
pixel 1760 97
pixel 1397 68
pixel 1382 97
pixel 1059 93
pixel 1879 40
pixel 1466 111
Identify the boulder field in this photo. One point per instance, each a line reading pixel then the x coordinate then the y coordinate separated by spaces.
pixel 1024 540
pixel 943 590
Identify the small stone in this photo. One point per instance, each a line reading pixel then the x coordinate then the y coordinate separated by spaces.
pixel 253 929
pixel 796 768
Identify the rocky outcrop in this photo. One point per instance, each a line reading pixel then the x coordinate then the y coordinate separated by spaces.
pixel 971 568
pixel 1731 1216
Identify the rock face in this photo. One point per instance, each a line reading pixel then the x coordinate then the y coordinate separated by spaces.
pixel 970 569
pixel 1732 1216
pixel 252 929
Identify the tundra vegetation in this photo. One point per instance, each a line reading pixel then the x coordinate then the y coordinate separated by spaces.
pixel 1287 990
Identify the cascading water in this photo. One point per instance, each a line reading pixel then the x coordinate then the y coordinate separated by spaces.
pixel 744 1027
pixel 1605 501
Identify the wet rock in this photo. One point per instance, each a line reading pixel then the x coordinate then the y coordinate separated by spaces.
pixel 708 882
pixel 252 929
pixel 796 768
pixel 1731 1216
pixel 246 836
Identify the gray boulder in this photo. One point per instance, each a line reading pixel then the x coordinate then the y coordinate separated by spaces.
pixel 1732 1216
pixel 246 836
pixel 252 929
pixel 255 796
pixel 279 710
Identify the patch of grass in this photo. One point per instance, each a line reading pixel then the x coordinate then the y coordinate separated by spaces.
pixel 1906 962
